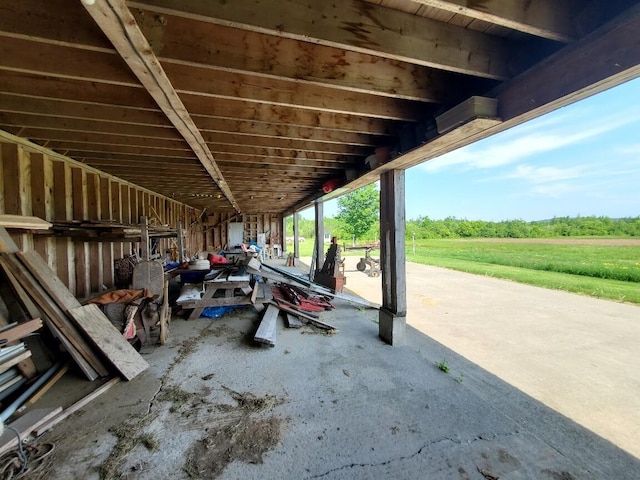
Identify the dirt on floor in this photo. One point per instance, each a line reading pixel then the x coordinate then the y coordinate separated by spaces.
pixel 227 427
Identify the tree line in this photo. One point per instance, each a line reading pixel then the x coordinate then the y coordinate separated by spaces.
pixel 451 227
pixel 358 220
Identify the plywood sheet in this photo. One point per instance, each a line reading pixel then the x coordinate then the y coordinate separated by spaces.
pixel 112 343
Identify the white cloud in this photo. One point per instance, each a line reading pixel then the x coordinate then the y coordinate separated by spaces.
pixel 555 190
pixel 539 175
pixel 558 130
pixel 628 149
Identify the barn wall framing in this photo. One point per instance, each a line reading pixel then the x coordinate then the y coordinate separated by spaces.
pixel 35 181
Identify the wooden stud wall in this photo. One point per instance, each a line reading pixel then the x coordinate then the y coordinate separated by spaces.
pixel 37 182
pixel 216 234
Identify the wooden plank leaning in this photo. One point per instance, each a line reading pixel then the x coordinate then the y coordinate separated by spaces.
pixel 56 316
pixel 116 349
pixel 76 406
pixel 49 281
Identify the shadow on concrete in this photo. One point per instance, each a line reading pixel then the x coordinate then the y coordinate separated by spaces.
pixel 345 406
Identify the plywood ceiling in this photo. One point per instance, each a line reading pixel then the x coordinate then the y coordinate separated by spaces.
pixel 252 105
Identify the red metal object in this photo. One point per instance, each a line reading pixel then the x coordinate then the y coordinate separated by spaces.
pixel 331 185
pixel 310 304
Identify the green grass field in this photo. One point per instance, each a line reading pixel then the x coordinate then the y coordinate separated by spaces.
pixel 603 271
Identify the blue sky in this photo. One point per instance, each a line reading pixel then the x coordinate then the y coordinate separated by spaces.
pixel 583 159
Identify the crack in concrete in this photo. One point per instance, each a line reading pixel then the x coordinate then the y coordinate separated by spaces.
pixel 418 452
pixel 392 460
pixel 153 398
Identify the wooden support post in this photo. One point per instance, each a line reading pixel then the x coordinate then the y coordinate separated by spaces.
pixel 393 314
pixel 39 198
pixel 144 238
pixel 283 237
pixel 296 236
pixel 319 211
pixel 180 243
pixel 60 192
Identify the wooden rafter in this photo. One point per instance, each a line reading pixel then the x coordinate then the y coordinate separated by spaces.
pixel 605 58
pixel 188 42
pixel 68 108
pixel 551 19
pixel 355 26
pixel 115 20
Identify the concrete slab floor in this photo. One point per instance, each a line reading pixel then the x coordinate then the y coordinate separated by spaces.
pixel 576 354
pixel 214 405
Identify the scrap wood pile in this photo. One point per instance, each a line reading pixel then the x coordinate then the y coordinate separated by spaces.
pixel 299 300
pixel 41 325
pixel 85 229
pixel 105 230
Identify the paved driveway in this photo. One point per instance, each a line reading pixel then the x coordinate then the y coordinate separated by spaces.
pixel 577 355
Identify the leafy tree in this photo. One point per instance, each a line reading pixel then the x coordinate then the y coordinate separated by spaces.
pixel 359 210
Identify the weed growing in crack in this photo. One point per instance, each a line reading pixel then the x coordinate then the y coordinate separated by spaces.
pixel 443 366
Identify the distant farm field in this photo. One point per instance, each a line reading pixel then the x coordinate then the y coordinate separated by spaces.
pixel 600 267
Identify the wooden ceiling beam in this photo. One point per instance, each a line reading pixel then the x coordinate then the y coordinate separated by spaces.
pixel 60 21
pixel 279 153
pixel 263 90
pixel 605 58
pixel 64 108
pixel 129 98
pixel 68 146
pixel 19 55
pixel 147 166
pixel 355 26
pixel 176 39
pixel 99 138
pixel 231 167
pixel 289 163
pixel 263 129
pixel 279 134
pixel 227 167
pixel 36 85
pixel 550 19
pixel 124 156
pixel 237 109
pixel 308 160
pixel 29 121
pixel 116 22
pixel 248 162
pixel 216 139
pixel 186 41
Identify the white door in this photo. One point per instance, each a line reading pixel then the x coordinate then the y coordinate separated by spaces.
pixel 236 234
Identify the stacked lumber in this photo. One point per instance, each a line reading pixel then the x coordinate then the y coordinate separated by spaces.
pixel 92 342
pixel 23 223
pixel 107 230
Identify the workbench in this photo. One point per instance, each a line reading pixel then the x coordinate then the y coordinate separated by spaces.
pixel 218 293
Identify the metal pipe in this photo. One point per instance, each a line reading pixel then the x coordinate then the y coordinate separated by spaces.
pixel 17 403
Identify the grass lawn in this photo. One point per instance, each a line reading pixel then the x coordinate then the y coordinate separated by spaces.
pixel 611 272
pixel 603 271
